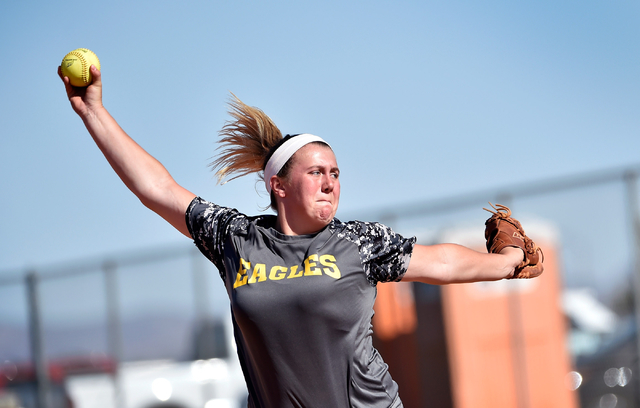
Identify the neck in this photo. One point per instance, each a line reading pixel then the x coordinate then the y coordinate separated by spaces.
pixel 290 225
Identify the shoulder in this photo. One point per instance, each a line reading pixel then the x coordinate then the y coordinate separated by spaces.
pixel 361 232
pixel 203 209
pixel 204 218
pixel 372 238
pixel 384 253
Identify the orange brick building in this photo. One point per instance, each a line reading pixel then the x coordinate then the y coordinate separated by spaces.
pixel 490 344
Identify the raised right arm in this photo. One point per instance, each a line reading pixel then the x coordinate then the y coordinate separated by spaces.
pixel 145 176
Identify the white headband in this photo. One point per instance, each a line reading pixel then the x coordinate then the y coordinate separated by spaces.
pixel 284 153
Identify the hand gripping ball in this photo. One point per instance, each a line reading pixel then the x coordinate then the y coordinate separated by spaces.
pixel 76 64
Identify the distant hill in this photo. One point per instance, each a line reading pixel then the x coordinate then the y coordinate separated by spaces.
pixel 143 338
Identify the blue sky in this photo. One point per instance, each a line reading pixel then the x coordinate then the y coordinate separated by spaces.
pixel 420 100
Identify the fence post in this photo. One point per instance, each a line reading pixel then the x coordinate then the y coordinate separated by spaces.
pixel 516 330
pixel 37 340
pixel 114 329
pixel 200 287
pixel 630 179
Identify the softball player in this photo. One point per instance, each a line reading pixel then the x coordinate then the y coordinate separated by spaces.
pixel 301 283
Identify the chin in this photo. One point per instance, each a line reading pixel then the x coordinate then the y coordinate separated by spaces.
pixel 326 216
pixel 325 213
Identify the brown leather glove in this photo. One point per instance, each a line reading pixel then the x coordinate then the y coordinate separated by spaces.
pixel 503 231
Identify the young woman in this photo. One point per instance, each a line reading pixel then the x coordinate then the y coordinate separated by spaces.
pixel 301 284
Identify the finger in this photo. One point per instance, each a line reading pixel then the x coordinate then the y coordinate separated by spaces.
pixel 64 79
pixel 97 75
pixel 72 91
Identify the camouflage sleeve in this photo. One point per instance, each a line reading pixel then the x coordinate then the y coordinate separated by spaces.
pixel 209 225
pixel 385 254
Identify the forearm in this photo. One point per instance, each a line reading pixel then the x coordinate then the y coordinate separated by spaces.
pixel 145 176
pixel 452 263
pixel 139 171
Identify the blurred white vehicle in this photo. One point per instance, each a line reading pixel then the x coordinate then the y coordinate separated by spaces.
pixel 213 380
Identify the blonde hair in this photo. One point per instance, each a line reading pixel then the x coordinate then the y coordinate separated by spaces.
pixel 245 142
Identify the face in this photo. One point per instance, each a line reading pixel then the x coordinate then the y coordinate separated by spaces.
pixel 311 192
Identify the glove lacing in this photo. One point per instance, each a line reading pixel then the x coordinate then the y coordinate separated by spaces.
pixel 504 212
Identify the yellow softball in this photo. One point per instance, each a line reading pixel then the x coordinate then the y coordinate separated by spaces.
pixel 76 64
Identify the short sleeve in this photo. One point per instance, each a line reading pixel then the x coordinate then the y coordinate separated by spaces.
pixel 384 253
pixel 209 225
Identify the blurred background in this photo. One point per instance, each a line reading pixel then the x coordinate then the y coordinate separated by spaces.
pixel 433 109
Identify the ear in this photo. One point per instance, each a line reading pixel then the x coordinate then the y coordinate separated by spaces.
pixel 277 186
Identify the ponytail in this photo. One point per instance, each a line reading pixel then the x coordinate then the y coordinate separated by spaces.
pixel 245 142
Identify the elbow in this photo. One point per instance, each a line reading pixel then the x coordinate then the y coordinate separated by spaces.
pixel 154 195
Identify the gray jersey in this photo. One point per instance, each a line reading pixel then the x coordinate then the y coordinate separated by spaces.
pixel 302 305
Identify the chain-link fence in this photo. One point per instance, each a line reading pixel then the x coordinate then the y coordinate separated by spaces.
pixel 151 304
pixel 594 220
pixel 91 316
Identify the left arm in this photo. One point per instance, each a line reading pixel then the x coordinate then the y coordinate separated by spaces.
pixel 451 263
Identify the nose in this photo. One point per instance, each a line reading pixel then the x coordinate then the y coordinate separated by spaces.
pixel 327 184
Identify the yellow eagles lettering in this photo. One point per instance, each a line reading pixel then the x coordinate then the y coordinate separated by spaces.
pixel 241 277
pixel 309 265
pixel 259 273
pixel 332 270
pixel 294 272
pixel 314 265
pixel 277 273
